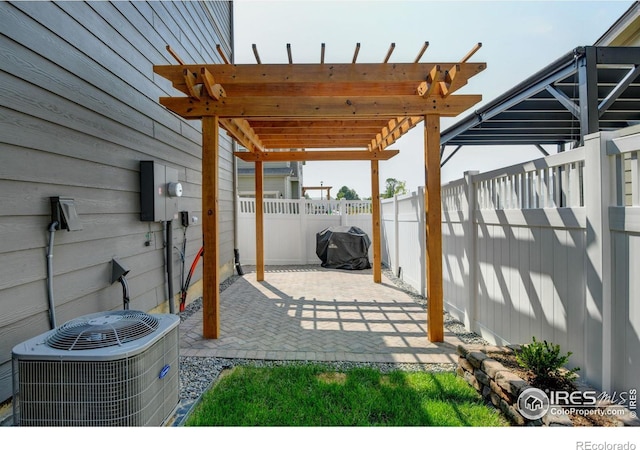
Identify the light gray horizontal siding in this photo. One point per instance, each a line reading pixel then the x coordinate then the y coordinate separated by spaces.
pixel 79 110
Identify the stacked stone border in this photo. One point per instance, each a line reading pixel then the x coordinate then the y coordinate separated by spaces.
pixel 501 387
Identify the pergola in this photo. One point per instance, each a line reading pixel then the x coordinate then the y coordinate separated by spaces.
pixel 327 112
pixel 318 188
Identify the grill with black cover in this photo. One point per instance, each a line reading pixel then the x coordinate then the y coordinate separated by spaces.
pixel 343 247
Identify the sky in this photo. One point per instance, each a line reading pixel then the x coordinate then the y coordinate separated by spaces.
pixel 518 39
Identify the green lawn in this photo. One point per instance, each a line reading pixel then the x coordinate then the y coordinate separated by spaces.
pixel 313 395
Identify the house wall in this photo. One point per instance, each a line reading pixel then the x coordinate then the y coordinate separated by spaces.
pixel 79 110
pixel 284 182
pixel 269 184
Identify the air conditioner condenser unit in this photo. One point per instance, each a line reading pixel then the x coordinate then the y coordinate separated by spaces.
pixel 115 368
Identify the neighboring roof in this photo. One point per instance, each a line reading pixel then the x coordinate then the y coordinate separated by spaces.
pixel 586 90
pixel 625 31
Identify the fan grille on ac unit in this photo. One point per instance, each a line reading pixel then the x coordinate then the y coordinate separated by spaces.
pixel 103 329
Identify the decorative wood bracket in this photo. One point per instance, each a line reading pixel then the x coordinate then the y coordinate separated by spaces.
pixel 429 86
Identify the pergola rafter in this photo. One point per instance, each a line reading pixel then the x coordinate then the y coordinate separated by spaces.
pixel 355 111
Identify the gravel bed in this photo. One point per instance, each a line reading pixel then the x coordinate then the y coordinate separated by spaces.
pixel 197 374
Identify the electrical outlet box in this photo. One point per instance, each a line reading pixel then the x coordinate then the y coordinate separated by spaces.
pixel 63 211
pixel 159 192
pixel 184 218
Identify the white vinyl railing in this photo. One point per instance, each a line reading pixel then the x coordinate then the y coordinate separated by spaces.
pixel 552 182
pixel 307 206
pixel 290 226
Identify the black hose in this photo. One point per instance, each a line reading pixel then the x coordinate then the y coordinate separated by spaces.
pixel 183 256
pixel 169 249
pixel 236 255
pixel 52 308
pixel 125 291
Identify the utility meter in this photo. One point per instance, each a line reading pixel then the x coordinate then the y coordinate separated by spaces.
pixel 174 189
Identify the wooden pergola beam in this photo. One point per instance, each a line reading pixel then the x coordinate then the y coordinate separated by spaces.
pixel 471 52
pixel 355 53
pixel 328 107
pixel 318 155
pixel 243 133
pixel 421 52
pixel 260 74
pixel 392 47
pixel 311 142
pixel 337 135
pixel 311 131
pixel 222 54
pixel 255 53
pixel 394 131
pixel 266 124
pixel 320 89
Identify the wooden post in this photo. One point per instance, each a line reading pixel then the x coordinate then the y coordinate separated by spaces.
pixel 259 221
pixel 375 218
pixel 433 208
pixel 210 277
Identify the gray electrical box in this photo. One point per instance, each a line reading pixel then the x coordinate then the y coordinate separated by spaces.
pixel 159 192
pixel 63 211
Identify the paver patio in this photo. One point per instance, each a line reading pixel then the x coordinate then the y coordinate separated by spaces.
pixel 316 314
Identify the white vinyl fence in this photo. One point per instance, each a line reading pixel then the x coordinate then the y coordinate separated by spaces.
pixel 403 237
pixel 548 248
pixel 290 227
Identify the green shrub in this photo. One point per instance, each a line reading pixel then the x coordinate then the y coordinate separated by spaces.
pixel 544 361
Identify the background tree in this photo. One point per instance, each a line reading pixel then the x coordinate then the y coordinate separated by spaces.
pixel 394 187
pixel 347 194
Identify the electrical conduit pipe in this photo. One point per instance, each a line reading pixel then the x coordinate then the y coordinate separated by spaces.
pixel 52 308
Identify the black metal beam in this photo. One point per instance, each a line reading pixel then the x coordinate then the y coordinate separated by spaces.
pixel 616 55
pixel 618 90
pixel 451 155
pixel 542 150
pixel 559 69
pixel 587 89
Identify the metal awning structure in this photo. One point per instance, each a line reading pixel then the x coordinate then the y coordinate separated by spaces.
pixel 313 112
pixel 587 90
